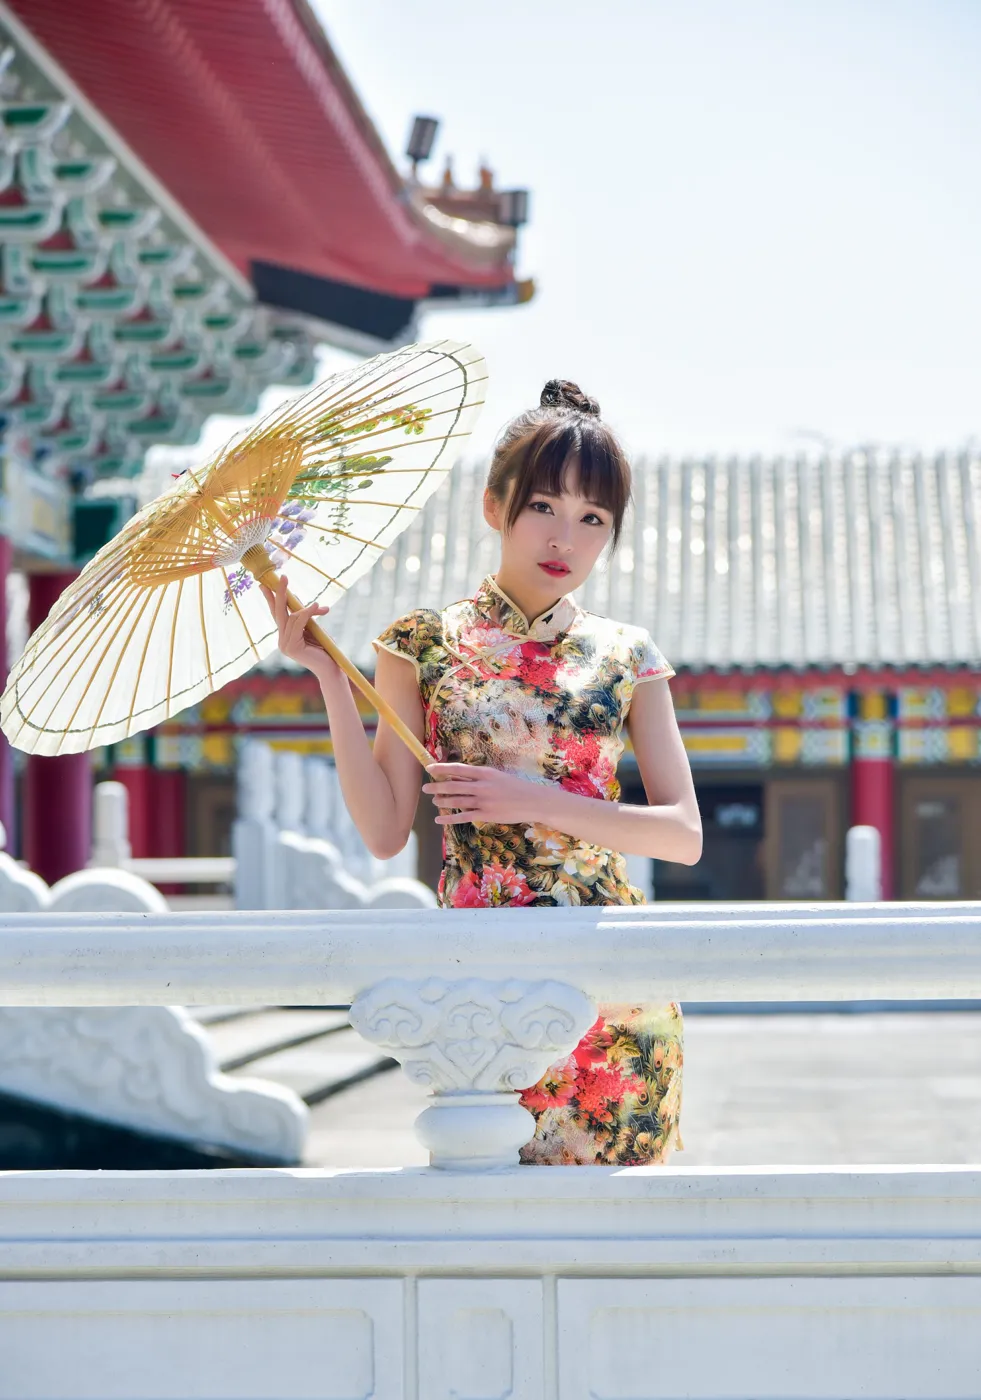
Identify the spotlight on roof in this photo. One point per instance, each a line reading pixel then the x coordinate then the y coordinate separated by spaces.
pixel 514 207
pixel 421 139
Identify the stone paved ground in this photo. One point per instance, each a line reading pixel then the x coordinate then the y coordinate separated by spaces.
pixel 825 1089
pixel 815 1089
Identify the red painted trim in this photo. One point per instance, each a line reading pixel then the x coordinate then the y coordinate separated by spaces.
pixel 168 825
pixel 57 791
pixel 57 831
pixel 866 679
pixel 873 797
pixel 7 807
pixel 43 592
pixel 686 682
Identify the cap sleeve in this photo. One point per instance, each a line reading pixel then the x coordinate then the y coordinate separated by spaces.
pixel 401 637
pixel 647 663
pixel 418 636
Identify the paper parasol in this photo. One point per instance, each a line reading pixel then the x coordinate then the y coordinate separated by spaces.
pixel 168 611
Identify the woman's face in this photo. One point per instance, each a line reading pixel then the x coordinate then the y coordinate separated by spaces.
pixel 554 543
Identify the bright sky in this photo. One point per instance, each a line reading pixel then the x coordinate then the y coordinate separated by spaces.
pixel 756 226
pixel 749 220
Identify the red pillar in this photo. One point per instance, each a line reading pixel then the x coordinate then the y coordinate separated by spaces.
pixel 132 770
pixel 873 779
pixel 57 833
pixel 168 833
pixel 6 754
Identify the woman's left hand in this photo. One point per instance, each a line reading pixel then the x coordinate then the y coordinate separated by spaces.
pixel 479 794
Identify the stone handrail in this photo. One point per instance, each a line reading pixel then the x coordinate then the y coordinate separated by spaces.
pixel 183 870
pixel 817 952
pixel 542 1285
pixel 476 1004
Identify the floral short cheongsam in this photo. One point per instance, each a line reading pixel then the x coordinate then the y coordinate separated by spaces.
pixel 547 700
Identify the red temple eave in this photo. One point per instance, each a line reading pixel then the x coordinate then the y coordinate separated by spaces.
pixel 864 678
pixel 243 112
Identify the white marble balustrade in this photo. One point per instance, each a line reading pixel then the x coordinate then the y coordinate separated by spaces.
pixel 703 952
pixel 477 1003
pixel 480 1278
pixel 296 846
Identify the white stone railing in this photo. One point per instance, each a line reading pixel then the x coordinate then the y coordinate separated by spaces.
pixel 297 847
pixel 276 865
pixel 767 952
pixel 183 870
pixel 477 1004
pixel 111 847
pixel 578 1283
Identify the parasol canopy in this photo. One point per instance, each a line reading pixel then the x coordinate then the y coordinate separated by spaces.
pixel 169 610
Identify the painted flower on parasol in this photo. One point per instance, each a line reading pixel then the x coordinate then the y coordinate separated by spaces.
pixel 169 610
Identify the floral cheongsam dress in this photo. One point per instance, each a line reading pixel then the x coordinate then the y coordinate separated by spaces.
pixel 547 700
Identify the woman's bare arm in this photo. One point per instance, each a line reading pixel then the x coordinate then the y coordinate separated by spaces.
pixel 380 784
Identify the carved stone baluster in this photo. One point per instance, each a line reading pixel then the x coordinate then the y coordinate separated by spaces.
pixel 254 831
pixel 289 787
pixel 476 1044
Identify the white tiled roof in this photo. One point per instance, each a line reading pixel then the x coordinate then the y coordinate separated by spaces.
pixel 859 560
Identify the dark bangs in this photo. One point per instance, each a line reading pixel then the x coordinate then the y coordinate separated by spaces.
pixel 566 444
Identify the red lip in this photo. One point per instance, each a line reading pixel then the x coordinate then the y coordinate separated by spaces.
pixel 553 567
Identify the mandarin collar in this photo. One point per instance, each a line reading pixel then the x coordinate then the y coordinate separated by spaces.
pixel 496 607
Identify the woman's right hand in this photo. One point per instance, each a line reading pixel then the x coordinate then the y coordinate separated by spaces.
pixel 294 642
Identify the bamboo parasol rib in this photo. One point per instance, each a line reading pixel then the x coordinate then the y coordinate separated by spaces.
pixel 167 612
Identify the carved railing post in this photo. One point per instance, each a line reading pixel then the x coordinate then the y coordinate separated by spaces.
pixel 476 1044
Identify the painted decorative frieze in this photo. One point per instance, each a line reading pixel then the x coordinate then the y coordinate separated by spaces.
pixel 718 703
pixel 724 747
pixel 934 744
pixel 934 704
pixel 872 738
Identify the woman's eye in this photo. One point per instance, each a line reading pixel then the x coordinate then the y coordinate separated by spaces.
pixel 592 519
pixel 541 506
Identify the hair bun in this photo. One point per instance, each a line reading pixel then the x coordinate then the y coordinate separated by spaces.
pixel 562 393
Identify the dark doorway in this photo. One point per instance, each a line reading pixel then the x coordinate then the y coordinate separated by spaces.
pixel 732 866
pixel 210 813
pixel 804 857
pixel 940 815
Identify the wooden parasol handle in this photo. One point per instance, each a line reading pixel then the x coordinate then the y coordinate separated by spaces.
pixel 256 560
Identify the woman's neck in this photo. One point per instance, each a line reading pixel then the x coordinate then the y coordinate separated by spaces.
pixel 530 605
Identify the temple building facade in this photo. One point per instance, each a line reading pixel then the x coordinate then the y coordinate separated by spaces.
pixel 824 618
pixel 192 200
pixel 189 206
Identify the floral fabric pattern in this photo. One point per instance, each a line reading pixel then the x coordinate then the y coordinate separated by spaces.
pixel 616 1100
pixel 547 700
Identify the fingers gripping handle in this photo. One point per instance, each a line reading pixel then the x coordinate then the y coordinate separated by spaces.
pixel 256 560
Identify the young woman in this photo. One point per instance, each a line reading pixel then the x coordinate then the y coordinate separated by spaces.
pixel 521 698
